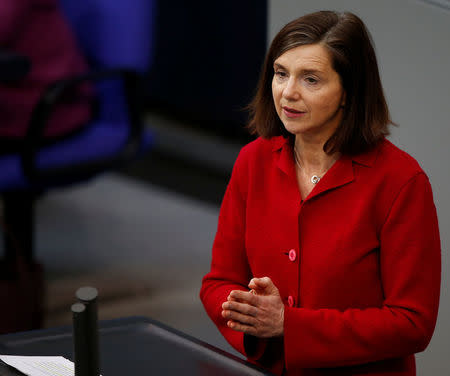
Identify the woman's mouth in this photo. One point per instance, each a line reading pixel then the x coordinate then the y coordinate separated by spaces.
pixel 292 113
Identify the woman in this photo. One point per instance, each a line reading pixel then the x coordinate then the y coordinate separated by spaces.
pixel 37 29
pixel 326 259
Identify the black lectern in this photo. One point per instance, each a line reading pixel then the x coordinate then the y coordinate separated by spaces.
pixel 133 346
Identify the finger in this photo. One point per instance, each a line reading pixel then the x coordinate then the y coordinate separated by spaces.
pixel 257 290
pixel 264 286
pixel 252 284
pixel 244 297
pixel 239 317
pixel 241 327
pixel 244 308
pixel 263 282
pixel 231 298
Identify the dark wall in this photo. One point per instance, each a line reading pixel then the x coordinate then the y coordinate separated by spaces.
pixel 207 61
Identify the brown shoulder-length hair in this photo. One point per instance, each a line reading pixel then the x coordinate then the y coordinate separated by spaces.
pixel 366 115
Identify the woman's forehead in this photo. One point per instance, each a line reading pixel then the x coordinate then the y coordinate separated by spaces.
pixel 306 57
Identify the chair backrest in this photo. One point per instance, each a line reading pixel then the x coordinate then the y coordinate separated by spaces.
pixel 113 34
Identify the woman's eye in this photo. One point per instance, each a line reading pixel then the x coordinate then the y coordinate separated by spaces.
pixel 311 80
pixel 280 74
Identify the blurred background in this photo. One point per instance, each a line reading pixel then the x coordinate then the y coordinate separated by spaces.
pixel 142 234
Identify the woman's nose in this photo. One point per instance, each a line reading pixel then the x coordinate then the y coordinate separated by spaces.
pixel 291 90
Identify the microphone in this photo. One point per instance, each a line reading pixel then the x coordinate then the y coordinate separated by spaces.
pixel 85 332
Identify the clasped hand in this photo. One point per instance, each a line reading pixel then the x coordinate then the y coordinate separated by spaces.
pixel 259 312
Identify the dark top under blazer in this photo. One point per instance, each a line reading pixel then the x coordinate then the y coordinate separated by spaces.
pixel 361 285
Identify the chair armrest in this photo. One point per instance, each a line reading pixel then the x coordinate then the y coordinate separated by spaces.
pixel 13 67
pixel 46 105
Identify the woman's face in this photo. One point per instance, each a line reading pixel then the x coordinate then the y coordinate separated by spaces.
pixel 307 92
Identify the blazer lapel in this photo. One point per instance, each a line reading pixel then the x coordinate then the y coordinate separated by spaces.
pixel 286 162
pixel 341 173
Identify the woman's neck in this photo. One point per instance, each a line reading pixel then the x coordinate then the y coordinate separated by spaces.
pixel 311 157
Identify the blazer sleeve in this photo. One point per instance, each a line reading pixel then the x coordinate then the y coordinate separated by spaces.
pixel 410 265
pixel 229 266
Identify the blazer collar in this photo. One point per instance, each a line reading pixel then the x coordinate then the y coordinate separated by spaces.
pixel 341 173
pixel 367 158
pixel 278 142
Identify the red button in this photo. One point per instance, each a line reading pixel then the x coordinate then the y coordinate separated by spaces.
pixel 292 255
pixel 290 301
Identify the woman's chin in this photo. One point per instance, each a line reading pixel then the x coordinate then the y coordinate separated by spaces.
pixel 297 129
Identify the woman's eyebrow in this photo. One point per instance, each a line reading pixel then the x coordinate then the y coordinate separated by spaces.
pixel 302 71
pixel 278 65
pixel 311 71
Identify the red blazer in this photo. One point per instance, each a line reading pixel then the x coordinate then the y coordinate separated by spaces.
pixel 357 262
pixel 38 29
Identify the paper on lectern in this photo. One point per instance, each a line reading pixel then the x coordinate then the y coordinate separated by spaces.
pixel 40 365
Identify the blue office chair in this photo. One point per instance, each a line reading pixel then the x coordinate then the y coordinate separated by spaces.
pixel 115 36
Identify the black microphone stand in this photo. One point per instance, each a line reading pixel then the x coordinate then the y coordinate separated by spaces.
pixel 85 332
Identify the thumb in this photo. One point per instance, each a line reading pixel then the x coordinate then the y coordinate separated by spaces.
pixel 263 286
